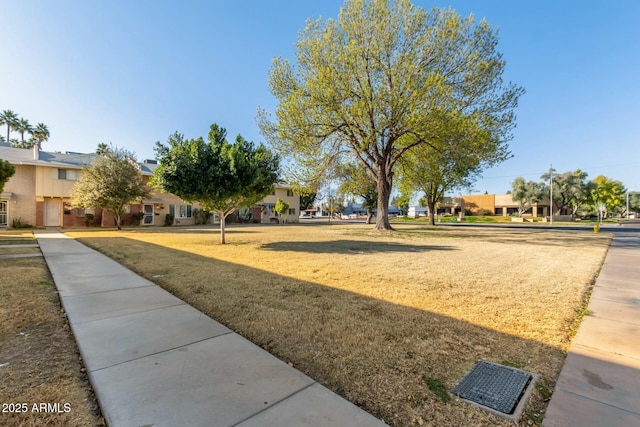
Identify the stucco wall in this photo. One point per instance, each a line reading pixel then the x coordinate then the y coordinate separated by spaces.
pixel 22 204
pixel 476 203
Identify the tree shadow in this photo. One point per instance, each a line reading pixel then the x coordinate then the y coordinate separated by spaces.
pixel 350 247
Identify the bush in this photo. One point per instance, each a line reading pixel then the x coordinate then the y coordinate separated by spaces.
pixel 485 212
pixel 17 223
pixel 201 216
pixel 136 218
pixel 88 219
pixel 168 220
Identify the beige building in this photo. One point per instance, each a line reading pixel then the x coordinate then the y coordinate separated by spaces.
pixel 494 204
pixel 39 194
pixel 267 205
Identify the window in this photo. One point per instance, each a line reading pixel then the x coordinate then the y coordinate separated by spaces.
pixel 184 211
pixel 83 212
pixel 67 174
pixel 289 193
pixel 292 211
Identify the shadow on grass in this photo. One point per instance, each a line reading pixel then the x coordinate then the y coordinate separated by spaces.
pixel 374 352
pixel 539 236
pixel 348 247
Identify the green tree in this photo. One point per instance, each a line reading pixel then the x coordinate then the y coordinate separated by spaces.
pixel 356 180
pixel 282 208
pixel 634 201
pixel 221 176
pixel 569 190
pixel 606 192
pixel 526 193
pixel 111 182
pixel 383 78
pixel 7 170
pixel 453 161
pixel 41 134
pixel 23 126
pixel 401 201
pixel 10 119
pixel 307 199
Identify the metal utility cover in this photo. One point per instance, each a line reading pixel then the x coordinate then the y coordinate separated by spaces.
pixel 494 386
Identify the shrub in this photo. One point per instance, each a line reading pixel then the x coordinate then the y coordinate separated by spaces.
pixel 201 216
pixel 168 220
pixel 136 218
pixel 485 212
pixel 17 223
pixel 88 219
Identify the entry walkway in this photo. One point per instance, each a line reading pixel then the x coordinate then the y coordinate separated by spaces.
pixel 599 384
pixel 154 360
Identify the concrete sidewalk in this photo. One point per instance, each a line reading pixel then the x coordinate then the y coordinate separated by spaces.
pixel 154 360
pixel 599 384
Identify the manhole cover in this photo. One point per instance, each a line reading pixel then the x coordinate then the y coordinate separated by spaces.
pixel 494 386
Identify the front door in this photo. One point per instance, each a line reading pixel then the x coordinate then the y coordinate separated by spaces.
pixel 148 214
pixel 4 214
pixel 52 213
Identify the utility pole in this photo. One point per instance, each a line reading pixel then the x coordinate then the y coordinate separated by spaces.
pixel 627 204
pixel 551 193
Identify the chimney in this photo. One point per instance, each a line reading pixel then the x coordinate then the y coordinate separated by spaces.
pixel 36 152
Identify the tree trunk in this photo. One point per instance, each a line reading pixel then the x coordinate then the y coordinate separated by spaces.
pixel 223 217
pixel 369 216
pixel 431 205
pixel 384 193
pixel 118 221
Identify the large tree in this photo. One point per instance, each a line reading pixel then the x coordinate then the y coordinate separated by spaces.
pixel 448 164
pixel 526 193
pixel 10 119
pixel 569 189
pixel 112 182
pixel 606 192
pixel 6 171
pixel 221 176
pixel 383 78
pixel 356 180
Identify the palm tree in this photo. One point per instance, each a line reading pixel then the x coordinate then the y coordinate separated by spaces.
pixel 10 119
pixel 40 133
pixel 23 126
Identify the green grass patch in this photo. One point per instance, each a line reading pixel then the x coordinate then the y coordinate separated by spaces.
pixel 437 387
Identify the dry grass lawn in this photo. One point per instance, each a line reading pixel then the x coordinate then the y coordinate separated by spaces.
pixel 38 356
pixel 388 320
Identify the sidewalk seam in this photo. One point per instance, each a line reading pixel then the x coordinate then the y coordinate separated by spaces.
pixel 104 292
pixel 274 405
pixel 163 351
pixel 120 315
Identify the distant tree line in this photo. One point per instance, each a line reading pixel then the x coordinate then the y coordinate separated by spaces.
pixel 37 134
pixel 574 195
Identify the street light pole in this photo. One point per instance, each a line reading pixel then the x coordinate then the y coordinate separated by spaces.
pixel 551 193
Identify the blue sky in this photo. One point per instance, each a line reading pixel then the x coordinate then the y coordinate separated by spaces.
pixel 132 72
